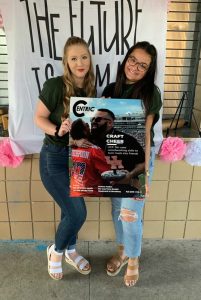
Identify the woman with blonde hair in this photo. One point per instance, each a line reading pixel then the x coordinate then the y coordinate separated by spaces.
pixel 52 116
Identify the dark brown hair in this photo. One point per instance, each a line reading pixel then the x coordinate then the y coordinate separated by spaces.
pixel 144 88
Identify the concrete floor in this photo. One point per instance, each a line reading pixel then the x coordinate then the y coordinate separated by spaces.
pixel 168 270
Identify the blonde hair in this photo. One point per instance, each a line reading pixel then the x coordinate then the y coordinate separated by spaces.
pixel 70 87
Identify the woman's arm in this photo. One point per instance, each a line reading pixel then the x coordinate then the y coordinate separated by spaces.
pixel 43 122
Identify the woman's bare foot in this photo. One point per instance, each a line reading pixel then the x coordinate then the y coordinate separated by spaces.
pixel 132 273
pixel 116 262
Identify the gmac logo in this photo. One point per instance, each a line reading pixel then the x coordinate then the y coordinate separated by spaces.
pixel 80 107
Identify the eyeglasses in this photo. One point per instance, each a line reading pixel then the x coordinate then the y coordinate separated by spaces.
pixel 98 119
pixel 142 67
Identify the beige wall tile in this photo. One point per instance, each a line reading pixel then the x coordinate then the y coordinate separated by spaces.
pixel 3 212
pixel 176 211
pixel 179 190
pixel 193 230
pixel 196 191
pixel 89 231
pixel 38 192
pixel 153 229
pixel 2 191
pixel 21 230
pixel 18 191
pixel 44 230
pixel 19 211
pixel 181 171
pixel 158 191
pixel 35 174
pixel 23 172
pixel 92 211
pixel 154 211
pixel 105 199
pixel 197 173
pixel 57 212
pixel 105 211
pixel 2 173
pixel 91 199
pixel 43 211
pixel 5 231
pixel 174 229
pixel 161 170
pixel 194 211
pixel 107 230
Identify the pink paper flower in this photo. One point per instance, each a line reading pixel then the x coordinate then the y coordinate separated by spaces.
pixel 172 149
pixel 7 157
pixel 1 20
pixel 168 5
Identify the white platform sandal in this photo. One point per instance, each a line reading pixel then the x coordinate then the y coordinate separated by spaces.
pixel 54 267
pixel 79 263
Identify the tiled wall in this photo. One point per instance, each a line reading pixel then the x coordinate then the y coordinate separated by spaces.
pixel 173 210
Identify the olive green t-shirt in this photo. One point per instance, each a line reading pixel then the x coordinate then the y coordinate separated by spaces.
pixel 52 95
pixel 126 92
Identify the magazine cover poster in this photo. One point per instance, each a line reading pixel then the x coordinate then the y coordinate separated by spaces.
pixel 107 153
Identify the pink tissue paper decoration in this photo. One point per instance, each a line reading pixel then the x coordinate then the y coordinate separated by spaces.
pixel 1 20
pixel 7 156
pixel 168 5
pixel 193 152
pixel 172 149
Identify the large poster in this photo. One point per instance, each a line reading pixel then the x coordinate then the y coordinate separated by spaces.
pixel 36 31
pixel 113 165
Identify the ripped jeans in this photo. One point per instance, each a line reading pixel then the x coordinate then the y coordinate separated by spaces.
pixel 127 217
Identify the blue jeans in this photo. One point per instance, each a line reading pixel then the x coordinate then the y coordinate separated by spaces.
pixel 54 171
pixel 129 233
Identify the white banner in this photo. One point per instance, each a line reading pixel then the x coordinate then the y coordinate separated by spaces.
pixel 36 32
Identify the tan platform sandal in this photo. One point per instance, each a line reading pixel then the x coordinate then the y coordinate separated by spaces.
pixel 116 262
pixel 53 266
pixel 131 280
pixel 79 263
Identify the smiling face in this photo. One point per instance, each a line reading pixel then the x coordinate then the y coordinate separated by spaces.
pixel 137 65
pixel 78 60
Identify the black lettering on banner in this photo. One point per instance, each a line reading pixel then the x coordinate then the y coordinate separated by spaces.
pixel 99 3
pixel 47 68
pixel 82 19
pixel 29 22
pixel 92 41
pixel 53 30
pixel 116 35
pixel 124 38
pixel 46 19
pixel 100 80
pixel 125 21
pixel 71 16
pixel 36 69
pixel 137 11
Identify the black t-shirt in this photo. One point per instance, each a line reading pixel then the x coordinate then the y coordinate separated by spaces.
pixel 52 95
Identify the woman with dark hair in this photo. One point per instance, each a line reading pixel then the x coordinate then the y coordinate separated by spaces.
pixel 135 80
pixel 52 116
